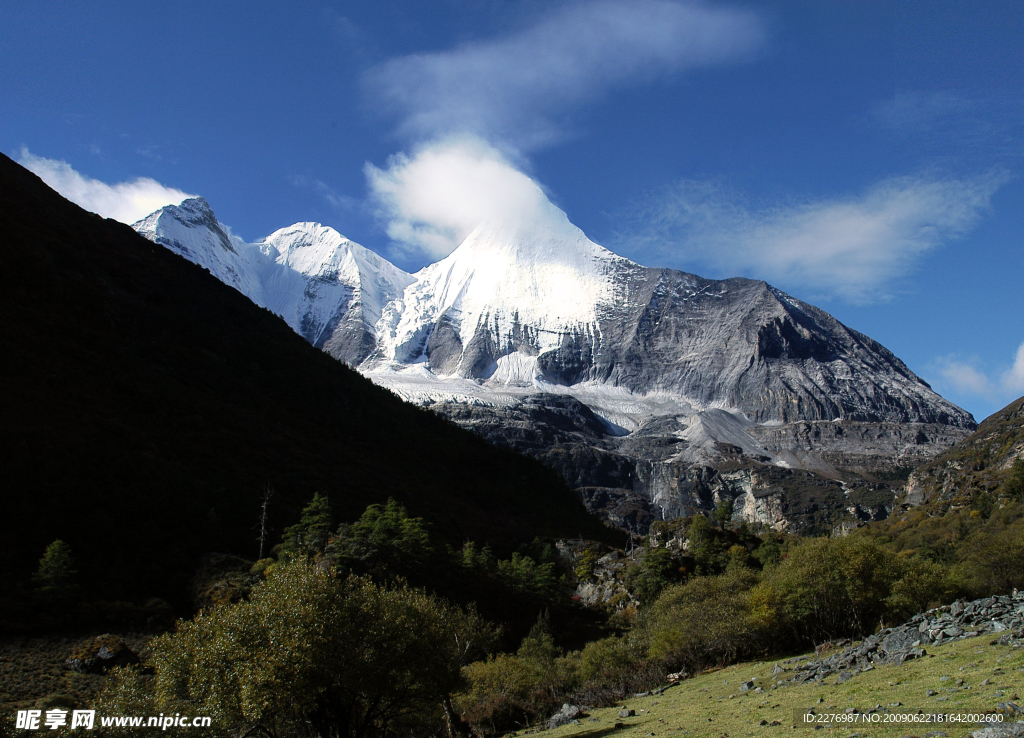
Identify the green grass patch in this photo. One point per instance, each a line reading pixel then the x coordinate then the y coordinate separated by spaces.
pixel 712 705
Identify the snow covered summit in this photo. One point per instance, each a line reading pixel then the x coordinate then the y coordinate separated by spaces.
pixel 329 289
pixel 510 287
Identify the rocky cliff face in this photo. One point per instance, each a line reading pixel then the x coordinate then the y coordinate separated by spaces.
pixel 655 393
pixel 804 477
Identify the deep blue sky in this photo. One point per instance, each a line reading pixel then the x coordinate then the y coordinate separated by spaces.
pixel 863 156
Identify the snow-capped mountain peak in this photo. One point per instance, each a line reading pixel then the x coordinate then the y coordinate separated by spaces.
pixel 524 284
pixel 327 288
pixel 533 305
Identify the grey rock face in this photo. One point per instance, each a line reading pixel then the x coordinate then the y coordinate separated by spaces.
pixel 747 345
pixel 765 387
pixel 735 343
pixel 834 470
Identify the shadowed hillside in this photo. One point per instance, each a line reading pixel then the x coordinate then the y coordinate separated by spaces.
pixel 147 406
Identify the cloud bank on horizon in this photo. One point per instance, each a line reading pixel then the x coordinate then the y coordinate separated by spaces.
pixel 515 90
pixel 127 202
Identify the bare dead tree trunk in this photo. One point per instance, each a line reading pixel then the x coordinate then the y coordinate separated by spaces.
pixel 457 727
pixel 263 518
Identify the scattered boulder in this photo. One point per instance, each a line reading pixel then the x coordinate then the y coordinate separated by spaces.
pixel 1010 710
pixel 566 715
pixel 100 654
pixel 627 713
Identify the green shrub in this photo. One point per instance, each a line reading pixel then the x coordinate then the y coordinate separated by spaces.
pixel 707 621
pixel 994 559
pixel 510 691
pixel 830 587
pixel 612 667
pixel 1014 485
pixel 311 652
pixel 922 584
pixel 826 588
pixel 657 570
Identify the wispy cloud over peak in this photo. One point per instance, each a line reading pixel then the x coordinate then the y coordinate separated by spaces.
pixel 851 247
pixel 515 88
pixel 433 199
pixel 127 202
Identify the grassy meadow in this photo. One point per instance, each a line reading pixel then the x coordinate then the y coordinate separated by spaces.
pixel 712 705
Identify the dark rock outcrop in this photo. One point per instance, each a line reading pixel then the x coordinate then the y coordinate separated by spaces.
pixel 101 654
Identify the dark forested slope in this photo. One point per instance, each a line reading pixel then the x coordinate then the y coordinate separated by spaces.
pixel 146 407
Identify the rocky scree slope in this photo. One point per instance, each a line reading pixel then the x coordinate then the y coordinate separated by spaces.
pixel 654 392
pixel 1002 616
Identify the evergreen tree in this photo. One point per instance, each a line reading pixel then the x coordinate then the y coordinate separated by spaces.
pixel 386 541
pixel 706 546
pixel 56 567
pixel 309 536
pixel 539 644
pixel 723 513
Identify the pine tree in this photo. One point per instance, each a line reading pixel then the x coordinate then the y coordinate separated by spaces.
pixel 309 536
pixel 56 567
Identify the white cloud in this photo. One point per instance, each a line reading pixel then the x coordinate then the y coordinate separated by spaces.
pixel 966 378
pixel 513 88
pixel 125 201
pixel 1012 379
pixel 853 247
pixel 435 198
